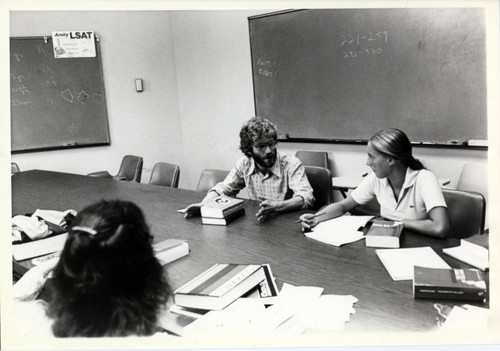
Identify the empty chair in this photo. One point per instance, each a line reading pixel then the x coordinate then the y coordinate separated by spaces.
pixel 320 179
pixel 130 170
pixel 209 177
pixel 14 168
pixel 313 158
pixel 166 174
pixel 466 210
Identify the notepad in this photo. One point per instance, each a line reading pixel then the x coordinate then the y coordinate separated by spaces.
pixel 339 231
pixel 470 253
pixel 400 262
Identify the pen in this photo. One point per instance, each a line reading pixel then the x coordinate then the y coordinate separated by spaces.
pixel 313 216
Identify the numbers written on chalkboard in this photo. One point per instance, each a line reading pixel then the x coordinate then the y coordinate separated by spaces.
pixel 355 44
pixel 358 39
pixel 266 68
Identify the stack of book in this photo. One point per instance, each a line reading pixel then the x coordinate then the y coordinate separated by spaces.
pixel 170 250
pixel 221 210
pixel 222 284
pixel 384 233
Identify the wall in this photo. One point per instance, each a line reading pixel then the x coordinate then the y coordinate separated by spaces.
pixel 198 91
pixel 146 123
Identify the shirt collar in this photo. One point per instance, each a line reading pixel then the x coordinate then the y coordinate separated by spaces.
pixel 410 178
pixel 276 169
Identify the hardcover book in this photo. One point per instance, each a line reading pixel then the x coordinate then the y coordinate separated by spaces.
pixel 226 220
pixel 38 247
pixel 219 286
pixel 220 206
pixel 449 284
pixel 384 233
pixel 170 250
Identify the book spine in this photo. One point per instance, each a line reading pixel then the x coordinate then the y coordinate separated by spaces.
pixel 448 293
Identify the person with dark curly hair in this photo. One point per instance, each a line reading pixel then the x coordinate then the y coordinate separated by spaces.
pixel 406 191
pixel 107 281
pixel 277 180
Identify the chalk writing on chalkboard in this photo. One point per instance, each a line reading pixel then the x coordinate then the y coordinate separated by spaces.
pixel 356 44
pixel 55 103
pixel 266 68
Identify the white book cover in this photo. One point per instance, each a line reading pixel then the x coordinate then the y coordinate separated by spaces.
pixel 470 253
pixel 39 247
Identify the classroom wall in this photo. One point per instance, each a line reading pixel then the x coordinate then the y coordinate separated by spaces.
pixel 198 91
pixel 134 44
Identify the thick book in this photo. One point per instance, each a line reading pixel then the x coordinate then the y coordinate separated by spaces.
pixel 170 250
pixel 224 221
pixel 384 233
pixel 39 247
pixel 220 206
pixel 449 284
pixel 219 286
pixel 400 262
pixel 470 253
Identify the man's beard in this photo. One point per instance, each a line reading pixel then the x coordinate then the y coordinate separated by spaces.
pixel 266 161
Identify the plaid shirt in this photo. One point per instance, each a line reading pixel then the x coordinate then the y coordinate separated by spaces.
pixel 286 178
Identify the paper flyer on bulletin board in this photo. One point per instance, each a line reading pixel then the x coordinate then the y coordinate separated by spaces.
pixel 73 44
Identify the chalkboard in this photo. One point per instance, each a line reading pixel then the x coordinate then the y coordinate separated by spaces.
pixel 55 103
pixel 344 74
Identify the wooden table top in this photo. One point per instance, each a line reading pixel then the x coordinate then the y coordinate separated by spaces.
pixel 353 269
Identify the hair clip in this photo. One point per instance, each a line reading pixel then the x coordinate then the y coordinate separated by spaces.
pixel 85 229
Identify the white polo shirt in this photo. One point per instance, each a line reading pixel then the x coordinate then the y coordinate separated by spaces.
pixel 420 193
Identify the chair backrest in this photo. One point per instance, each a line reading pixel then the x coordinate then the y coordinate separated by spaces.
pixel 320 179
pixel 166 174
pixel 14 168
pixel 313 158
pixel 474 177
pixel 466 210
pixel 130 169
pixel 209 177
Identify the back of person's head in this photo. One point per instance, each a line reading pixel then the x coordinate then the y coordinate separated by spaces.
pixel 108 281
pixel 255 128
pixel 396 144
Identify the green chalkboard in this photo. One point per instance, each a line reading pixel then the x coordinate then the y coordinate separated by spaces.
pixel 55 103
pixel 343 74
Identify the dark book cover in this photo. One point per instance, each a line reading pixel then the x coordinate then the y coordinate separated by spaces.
pixel 449 284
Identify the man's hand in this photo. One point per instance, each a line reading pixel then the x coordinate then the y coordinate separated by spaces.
pixel 192 210
pixel 266 209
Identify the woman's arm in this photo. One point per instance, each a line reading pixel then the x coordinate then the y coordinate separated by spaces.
pixel 334 210
pixel 437 225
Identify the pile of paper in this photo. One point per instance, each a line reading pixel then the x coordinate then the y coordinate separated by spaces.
pixel 297 310
pixel 339 231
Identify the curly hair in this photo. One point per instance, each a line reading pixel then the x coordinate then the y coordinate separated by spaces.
pixel 255 128
pixel 395 143
pixel 108 281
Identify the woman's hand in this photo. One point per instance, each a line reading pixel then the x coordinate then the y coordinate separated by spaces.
pixel 308 221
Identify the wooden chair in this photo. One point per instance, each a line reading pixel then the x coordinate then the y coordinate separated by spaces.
pixel 130 170
pixel 320 179
pixel 209 177
pixel 166 174
pixel 313 158
pixel 466 210
pixel 14 168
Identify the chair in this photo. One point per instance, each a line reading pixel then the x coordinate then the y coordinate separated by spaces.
pixel 14 168
pixel 210 177
pixel 130 170
pixel 474 177
pixel 320 179
pixel 466 210
pixel 166 174
pixel 313 158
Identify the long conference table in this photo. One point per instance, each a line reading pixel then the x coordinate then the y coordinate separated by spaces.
pixel 352 269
